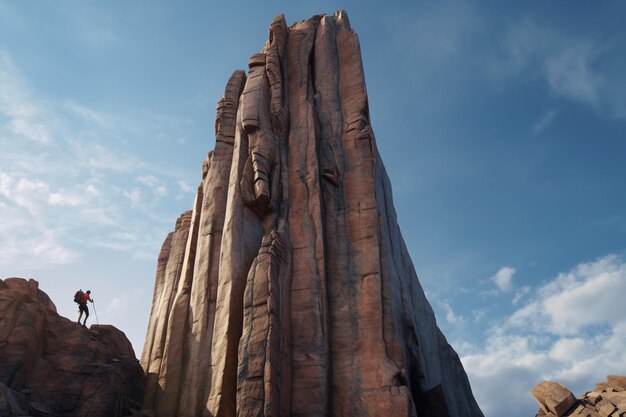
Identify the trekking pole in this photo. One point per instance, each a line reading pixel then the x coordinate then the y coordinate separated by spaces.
pixel 95 312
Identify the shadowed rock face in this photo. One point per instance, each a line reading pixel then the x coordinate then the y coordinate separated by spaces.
pixel 52 366
pixel 288 289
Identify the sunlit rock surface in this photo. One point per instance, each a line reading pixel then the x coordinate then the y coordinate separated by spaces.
pixel 608 399
pixel 288 290
pixel 52 366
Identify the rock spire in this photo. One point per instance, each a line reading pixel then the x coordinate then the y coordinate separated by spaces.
pixel 288 290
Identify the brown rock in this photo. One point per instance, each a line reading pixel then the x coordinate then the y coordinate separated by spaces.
pixel 288 289
pixel 604 387
pixel 578 410
pixel 50 365
pixel 618 399
pixel 605 408
pixel 593 397
pixel 553 397
pixel 617 382
pixel 611 401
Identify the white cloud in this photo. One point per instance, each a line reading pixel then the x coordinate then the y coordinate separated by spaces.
pixel 64 177
pixel 88 114
pixel 26 117
pixel 66 198
pixel 91 190
pixel 23 192
pixel 504 278
pixel 34 248
pixel 571 67
pixel 451 316
pixel 185 187
pixel 590 294
pixel 135 197
pixel 96 157
pixel 157 187
pixel 572 330
pixel 26 128
pixel 519 295
pixel 571 349
pixel 116 309
pixel 569 72
pixel 479 314
pixel 101 216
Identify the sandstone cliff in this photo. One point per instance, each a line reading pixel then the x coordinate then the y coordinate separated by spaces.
pixel 52 366
pixel 288 290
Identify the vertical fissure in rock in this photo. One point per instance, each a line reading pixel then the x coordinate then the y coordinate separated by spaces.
pixel 310 358
pixel 302 299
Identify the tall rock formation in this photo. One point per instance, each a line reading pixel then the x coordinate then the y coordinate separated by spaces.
pixel 52 366
pixel 288 289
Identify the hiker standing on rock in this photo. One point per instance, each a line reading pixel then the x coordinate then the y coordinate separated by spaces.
pixel 82 299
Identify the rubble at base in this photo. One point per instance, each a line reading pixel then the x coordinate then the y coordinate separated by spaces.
pixel 608 399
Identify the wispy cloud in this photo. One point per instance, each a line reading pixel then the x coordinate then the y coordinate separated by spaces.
pixel 519 295
pixel 479 314
pixel 116 309
pixel 185 187
pixel 571 67
pixel 451 316
pixel 77 197
pixel 439 37
pixel 503 279
pixel 544 122
pixel 158 187
pixel 598 286
pixel 33 247
pixel 71 177
pixel 89 115
pixel 26 118
pixel 572 329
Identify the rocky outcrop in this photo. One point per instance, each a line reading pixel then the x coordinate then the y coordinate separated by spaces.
pixel 553 398
pixel 288 290
pixel 608 399
pixel 51 366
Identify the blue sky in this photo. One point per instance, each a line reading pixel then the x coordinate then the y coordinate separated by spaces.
pixel 502 126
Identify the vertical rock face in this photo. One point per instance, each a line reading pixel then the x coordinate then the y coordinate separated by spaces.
pixel 288 289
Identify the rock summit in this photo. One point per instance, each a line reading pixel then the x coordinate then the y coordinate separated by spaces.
pixel 52 366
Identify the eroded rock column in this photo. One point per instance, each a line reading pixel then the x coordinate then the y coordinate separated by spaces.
pixel 288 290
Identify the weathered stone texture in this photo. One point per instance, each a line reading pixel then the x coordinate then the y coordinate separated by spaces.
pixel 302 299
pixel 553 398
pixel 607 400
pixel 50 365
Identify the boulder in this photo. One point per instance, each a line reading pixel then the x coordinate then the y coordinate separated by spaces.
pixel 553 398
pixel 593 397
pixel 618 382
pixel 605 407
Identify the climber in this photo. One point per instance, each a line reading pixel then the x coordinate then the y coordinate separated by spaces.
pixel 82 306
